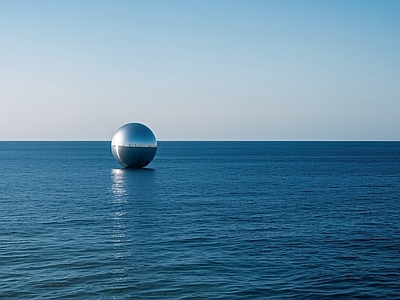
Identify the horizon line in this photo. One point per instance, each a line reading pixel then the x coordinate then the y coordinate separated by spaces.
pixel 45 140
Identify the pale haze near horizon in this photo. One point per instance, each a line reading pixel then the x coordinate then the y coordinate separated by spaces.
pixel 200 70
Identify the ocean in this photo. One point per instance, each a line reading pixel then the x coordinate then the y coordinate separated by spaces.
pixel 205 220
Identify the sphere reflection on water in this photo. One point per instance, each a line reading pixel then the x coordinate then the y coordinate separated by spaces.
pixel 134 145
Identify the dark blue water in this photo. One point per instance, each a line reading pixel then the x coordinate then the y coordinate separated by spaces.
pixel 206 220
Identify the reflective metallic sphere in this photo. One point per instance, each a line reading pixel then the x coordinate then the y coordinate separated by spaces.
pixel 134 145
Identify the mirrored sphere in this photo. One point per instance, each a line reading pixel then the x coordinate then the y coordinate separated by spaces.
pixel 134 145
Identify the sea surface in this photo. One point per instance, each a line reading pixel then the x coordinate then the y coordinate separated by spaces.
pixel 205 220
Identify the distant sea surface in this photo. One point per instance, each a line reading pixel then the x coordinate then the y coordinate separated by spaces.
pixel 205 220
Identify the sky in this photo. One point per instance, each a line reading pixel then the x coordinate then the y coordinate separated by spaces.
pixel 200 69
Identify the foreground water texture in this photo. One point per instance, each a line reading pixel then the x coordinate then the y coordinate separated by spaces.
pixel 205 220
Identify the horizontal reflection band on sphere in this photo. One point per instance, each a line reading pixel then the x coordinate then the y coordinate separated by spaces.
pixel 134 145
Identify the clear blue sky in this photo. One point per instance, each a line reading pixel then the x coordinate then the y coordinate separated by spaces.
pixel 200 70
